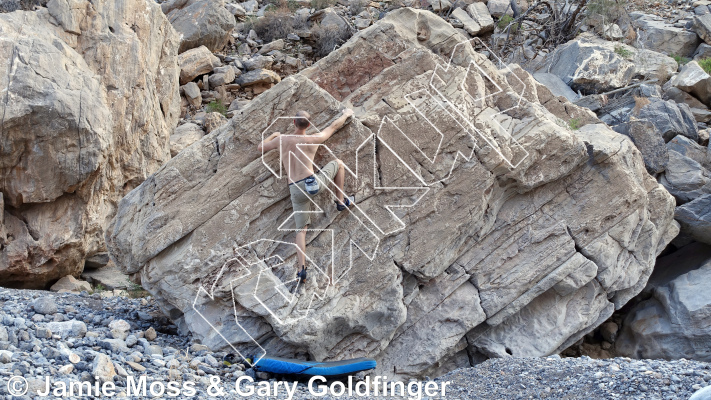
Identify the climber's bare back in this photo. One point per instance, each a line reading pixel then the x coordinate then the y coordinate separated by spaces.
pixel 299 149
pixel 298 156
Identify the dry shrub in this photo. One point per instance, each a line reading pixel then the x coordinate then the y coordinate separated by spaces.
pixel 357 6
pixel 274 25
pixel 639 103
pixel 321 4
pixel 610 10
pixel 326 38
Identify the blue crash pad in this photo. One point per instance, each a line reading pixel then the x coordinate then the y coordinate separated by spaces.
pixel 288 366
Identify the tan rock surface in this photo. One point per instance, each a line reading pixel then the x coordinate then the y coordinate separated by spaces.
pixel 528 245
pixel 200 23
pixel 91 100
pixel 184 136
pixel 196 62
pixel 70 284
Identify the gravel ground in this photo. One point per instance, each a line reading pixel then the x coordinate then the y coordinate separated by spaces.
pixel 90 338
pixel 580 378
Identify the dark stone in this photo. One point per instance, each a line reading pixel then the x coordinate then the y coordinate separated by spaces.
pixel 98 260
pixel 648 140
pixel 670 119
pixel 695 218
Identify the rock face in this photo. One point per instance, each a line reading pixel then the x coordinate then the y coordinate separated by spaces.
pixel 495 247
pixel 89 108
pixel 201 23
pixel 674 323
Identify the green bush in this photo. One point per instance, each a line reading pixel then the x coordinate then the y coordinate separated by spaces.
pixel 681 60
pixel 705 64
pixel 624 53
pixel 504 21
pixel 217 106
pixel 609 9
pixel 98 288
pixel 574 124
pixel 281 5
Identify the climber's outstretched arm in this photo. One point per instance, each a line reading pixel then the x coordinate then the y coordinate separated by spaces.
pixel 269 143
pixel 335 125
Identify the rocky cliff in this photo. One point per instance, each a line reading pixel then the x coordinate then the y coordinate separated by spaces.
pixel 485 226
pixel 89 99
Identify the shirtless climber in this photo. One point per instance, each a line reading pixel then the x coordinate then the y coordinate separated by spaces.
pixel 299 150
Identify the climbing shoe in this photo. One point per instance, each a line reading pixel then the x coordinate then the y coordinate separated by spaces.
pixel 301 275
pixel 347 202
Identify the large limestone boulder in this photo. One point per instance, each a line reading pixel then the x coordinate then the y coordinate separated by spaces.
pixel 184 136
pixel 594 65
pixel 685 176
pixel 670 119
pixel 652 65
pixel 196 62
pixel 702 27
pixel 470 25
pixel 698 109
pixel 655 33
pixel 694 80
pixel 505 234
pixel 556 85
pixel 499 8
pixel 647 138
pixel 589 64
pixel 695 218
pixel 200 22
pixel 480 13
pixel 90 100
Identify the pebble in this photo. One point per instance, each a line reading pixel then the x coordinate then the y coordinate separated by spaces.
pixel 44 305
pixel 119 329
pixel 158 362
pixel 5 356
pixel 150 334
pixel 43 333
pixel 66 369
pixel 131 340
pixel 136 366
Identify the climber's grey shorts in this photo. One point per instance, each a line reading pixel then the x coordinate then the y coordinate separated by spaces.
pixel 300 199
